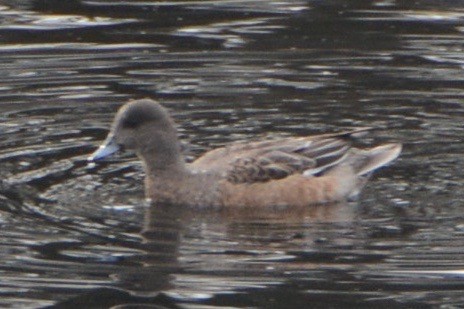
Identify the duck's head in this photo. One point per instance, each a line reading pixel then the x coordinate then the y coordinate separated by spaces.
pixel 144 127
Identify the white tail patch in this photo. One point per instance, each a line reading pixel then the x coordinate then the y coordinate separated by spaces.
pixel 376 157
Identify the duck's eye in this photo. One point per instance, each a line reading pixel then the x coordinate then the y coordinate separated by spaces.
pixel 122 147
pixel 134 119
pixel 137 117
pixel 129 123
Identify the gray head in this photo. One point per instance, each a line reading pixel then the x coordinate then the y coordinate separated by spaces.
pixel 146 128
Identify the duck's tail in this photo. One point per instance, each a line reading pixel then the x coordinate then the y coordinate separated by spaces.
pixel 359 165
pixel 366 161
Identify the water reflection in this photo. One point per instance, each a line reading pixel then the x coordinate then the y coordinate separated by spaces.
pixel 194 256
pixel 205 257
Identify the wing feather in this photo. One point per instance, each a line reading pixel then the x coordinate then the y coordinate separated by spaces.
pixel 276 159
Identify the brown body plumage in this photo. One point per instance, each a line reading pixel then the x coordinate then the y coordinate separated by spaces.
pixel 284 172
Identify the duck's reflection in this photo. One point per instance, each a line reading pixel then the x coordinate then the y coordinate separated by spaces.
pixel 177 240
pixel 161 232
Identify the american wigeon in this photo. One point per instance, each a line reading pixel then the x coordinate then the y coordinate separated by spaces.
pixel 292 171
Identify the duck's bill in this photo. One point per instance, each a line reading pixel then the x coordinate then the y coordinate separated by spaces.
pixel 105 150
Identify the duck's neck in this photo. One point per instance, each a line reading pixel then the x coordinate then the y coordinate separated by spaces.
pixel 164 161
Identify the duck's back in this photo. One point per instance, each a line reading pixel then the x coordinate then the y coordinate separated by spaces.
pixel 248 162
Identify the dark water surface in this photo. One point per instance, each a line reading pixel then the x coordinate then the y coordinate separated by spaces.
pixel 74 235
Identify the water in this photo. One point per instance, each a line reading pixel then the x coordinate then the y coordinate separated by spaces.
pixel 75 235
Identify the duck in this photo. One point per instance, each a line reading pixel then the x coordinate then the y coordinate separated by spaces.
pixel 281 172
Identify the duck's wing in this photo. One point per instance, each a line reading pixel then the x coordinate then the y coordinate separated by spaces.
pixel 297 156
pixel 277 159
